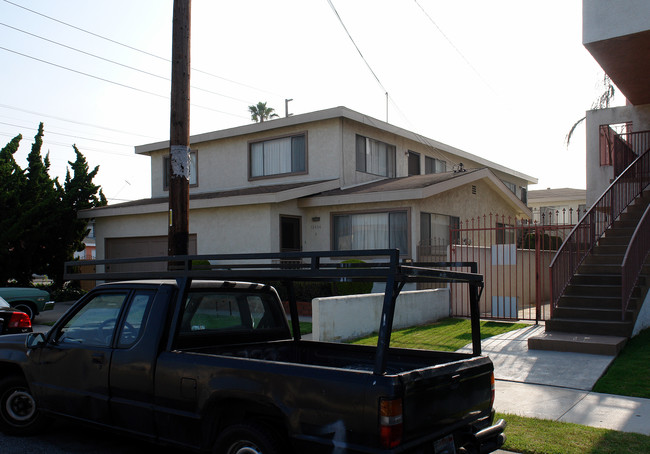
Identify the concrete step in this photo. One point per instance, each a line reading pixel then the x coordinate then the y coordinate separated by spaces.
pixel 590 301
pixel 604 259
pixel 577 343
pixel 603 279
pixel 593 327
pixel 599 268
pixel 592 287
pixel 591 313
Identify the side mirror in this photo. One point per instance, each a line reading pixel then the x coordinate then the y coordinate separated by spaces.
pixel 34 340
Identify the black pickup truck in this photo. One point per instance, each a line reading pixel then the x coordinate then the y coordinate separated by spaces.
pixel 195 357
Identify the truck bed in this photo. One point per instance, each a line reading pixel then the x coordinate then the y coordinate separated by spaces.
pixel 359 358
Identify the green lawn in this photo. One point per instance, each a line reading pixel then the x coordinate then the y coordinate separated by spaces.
pixel 629 373
pixel 538 436
pixel 448 334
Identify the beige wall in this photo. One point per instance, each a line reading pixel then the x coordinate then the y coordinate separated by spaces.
pixel 223 163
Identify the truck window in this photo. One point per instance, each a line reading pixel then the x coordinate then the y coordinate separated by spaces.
pixel 93 324
pixel 133 322
pixel 215 311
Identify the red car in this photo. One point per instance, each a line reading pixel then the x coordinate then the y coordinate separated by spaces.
pixel 13 321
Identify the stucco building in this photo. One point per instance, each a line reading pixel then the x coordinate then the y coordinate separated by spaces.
pixel 332 179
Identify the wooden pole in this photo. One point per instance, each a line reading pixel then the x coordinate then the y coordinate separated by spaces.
pixel 179 134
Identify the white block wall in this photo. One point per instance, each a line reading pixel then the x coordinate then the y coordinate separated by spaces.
pixel 340 318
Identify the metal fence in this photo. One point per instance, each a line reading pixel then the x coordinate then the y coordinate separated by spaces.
pixel 513 256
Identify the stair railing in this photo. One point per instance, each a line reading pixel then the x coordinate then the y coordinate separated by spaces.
pixel 635 256
pixel 585 235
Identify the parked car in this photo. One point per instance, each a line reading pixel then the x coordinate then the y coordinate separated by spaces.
pixel 31 301
pixel 13 321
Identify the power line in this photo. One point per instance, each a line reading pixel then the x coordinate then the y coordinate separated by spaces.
pixel 133 48
pixel 70 135
pixel 454 47
pixel 78 122
pixel 355 45
pixel 90 54
pixel 113 82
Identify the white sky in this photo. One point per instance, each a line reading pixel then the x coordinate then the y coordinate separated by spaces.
pixel 502 79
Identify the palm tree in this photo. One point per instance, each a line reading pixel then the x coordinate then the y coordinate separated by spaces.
pixel 603 102
pixel 260 112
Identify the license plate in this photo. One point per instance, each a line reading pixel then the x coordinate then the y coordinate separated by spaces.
pixel 444 445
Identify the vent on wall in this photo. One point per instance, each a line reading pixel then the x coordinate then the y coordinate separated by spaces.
pixel 474 189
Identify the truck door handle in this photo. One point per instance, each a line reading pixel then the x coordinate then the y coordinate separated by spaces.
pixel 98 358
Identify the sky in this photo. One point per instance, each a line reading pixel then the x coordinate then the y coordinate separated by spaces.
pixel 501 79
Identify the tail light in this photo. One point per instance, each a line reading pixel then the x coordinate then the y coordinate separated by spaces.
pixel 20 320
pixel 390 422
pixel 492 389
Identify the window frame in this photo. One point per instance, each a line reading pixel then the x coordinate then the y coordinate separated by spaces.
pixel 405 210
pixel 412 156
pixel 361 165
pixel 305 171
pixel 431 163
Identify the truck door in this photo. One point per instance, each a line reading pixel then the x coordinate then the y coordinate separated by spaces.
pixel 72 376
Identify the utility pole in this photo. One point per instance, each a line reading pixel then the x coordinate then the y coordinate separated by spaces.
pixel 179 133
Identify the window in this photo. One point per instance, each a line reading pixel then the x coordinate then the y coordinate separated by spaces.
pixel 414 163
pixel 433 165
pixel 278 156
pixel 505 233
pixel 194 173
pixel 511 186
pixel 524 194
pixel 375 157
pixel 371 231
pixel 435 229
pixel 93 324
pixel 214 311
pixel 134 322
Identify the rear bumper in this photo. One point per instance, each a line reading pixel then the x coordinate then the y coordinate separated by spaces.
pixel 491 438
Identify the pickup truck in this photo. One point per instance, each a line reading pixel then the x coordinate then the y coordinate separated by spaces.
pixel 197 358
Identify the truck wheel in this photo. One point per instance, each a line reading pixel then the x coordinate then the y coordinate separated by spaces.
pixel 19 414
pixel 248 439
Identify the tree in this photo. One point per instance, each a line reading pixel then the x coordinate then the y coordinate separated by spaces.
pixel 260 112
pixel 39 228
pixel 603 102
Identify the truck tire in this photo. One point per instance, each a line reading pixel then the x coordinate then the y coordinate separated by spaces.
pixel 248 438
pixel 19 414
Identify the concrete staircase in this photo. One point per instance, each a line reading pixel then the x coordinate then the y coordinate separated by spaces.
pixel 588 318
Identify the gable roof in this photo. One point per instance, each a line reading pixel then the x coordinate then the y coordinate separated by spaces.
pixel 414 187
pixel 556 195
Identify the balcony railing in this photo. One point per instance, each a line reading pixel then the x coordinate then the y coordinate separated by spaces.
pixel 585 235
pixel 621 149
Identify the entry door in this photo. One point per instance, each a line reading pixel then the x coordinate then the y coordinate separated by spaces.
pixel 290 234
pixel 73 374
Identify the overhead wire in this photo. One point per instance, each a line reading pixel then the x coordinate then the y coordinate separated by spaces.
pixel 165 59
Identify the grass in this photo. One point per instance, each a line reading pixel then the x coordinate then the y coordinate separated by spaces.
pixel 628 374
pixel 539 436
pixel 448 334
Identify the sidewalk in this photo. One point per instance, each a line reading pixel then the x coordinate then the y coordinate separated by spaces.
pixel 557 385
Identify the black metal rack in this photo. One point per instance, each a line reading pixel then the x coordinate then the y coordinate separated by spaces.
pixel 381 265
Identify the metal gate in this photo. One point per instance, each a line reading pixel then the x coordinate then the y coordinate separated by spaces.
pixel 512 255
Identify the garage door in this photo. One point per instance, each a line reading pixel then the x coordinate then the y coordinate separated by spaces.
pixel 142 246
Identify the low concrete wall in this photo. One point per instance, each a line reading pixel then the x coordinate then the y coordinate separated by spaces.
pixel 339 318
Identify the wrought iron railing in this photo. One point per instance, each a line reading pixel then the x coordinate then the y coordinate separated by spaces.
pixel 585 235
pixel 635 256
pixel 621 149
